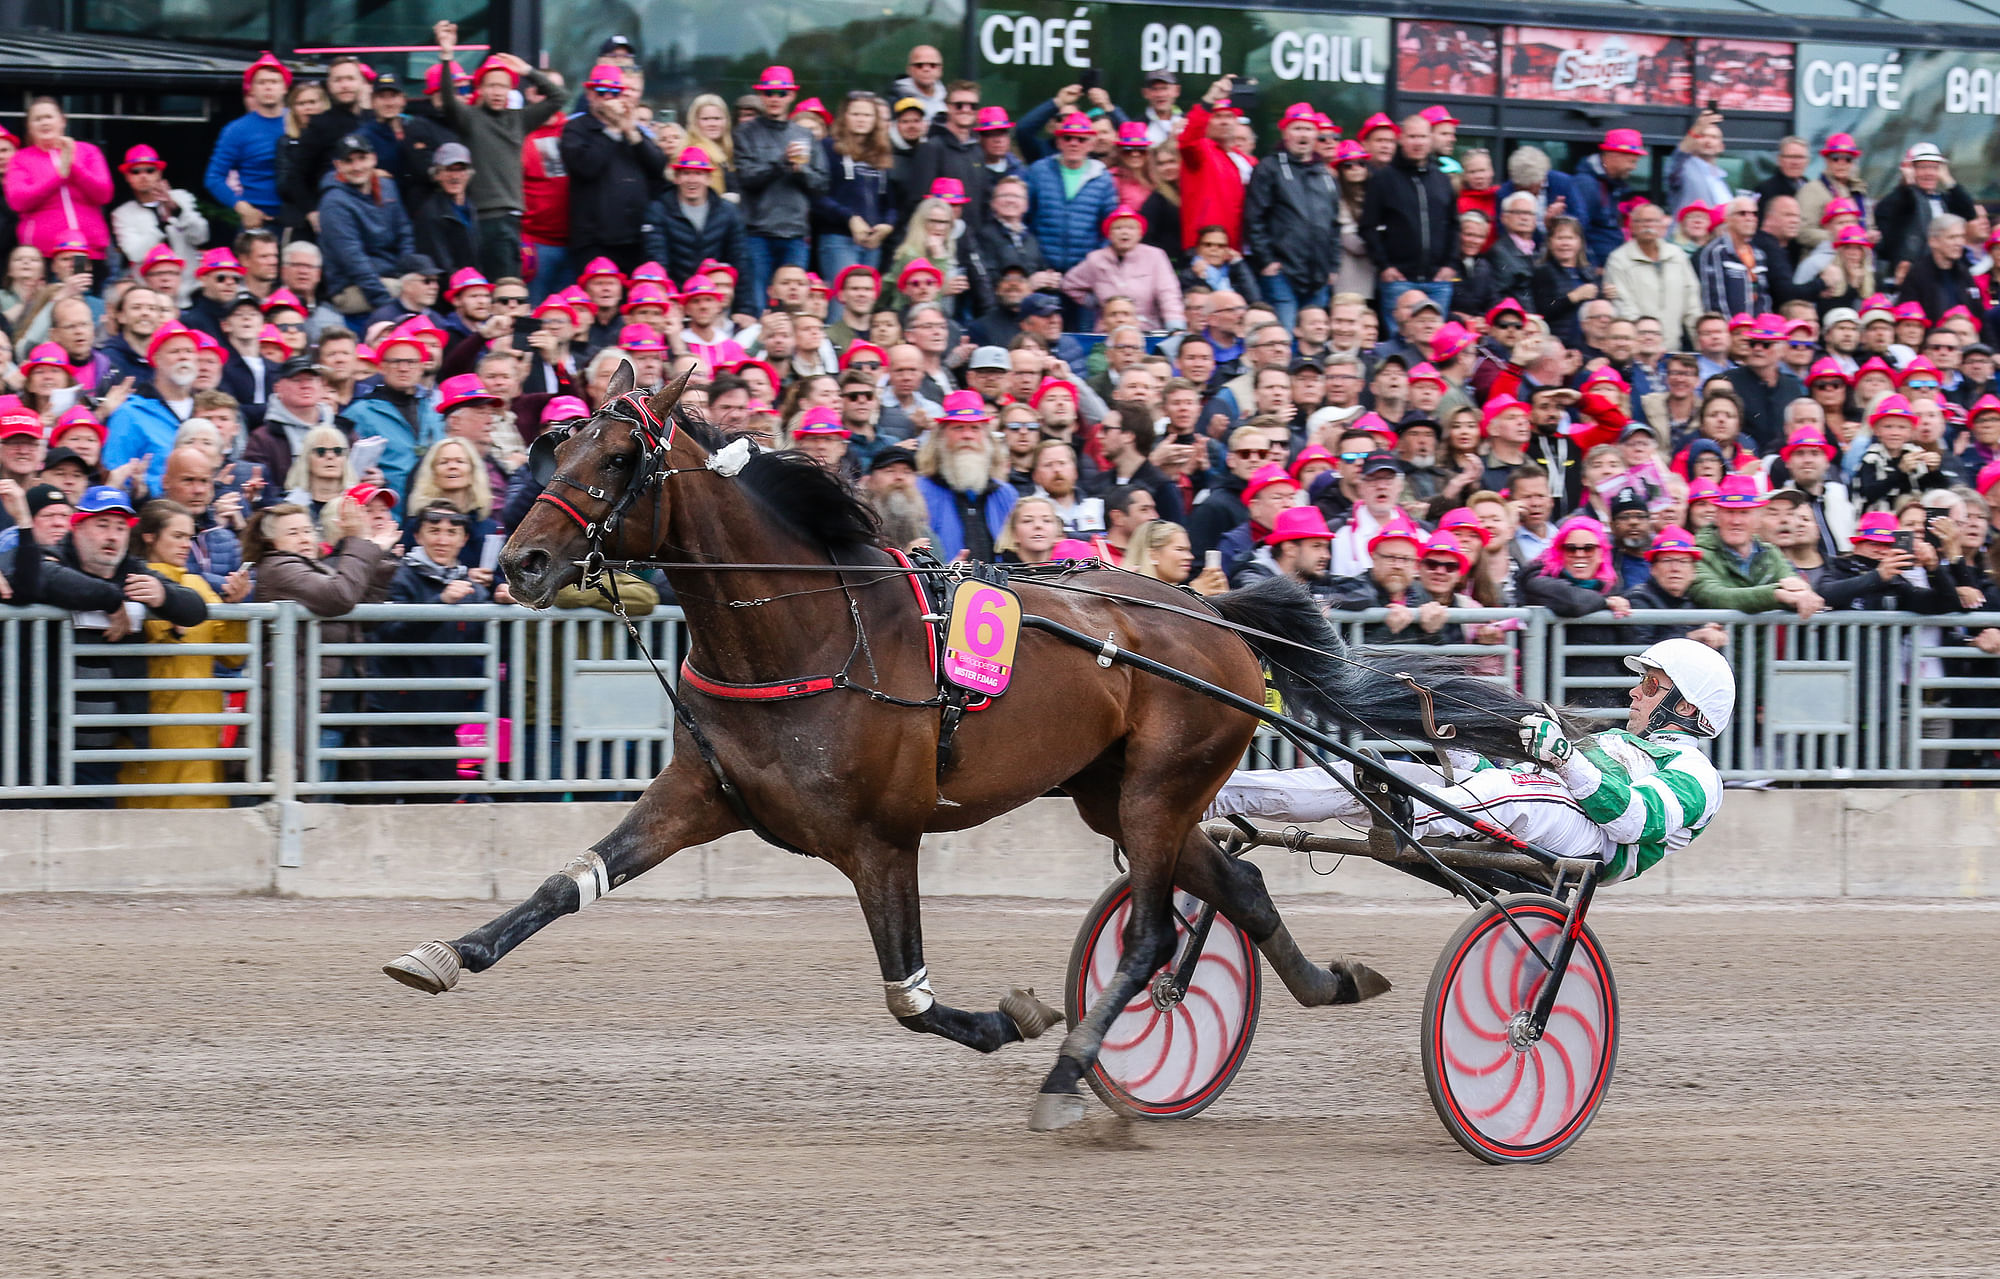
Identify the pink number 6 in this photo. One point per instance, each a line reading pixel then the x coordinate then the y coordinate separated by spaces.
pixel 983 629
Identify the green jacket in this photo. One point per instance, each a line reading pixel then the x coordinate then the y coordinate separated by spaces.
pixel 1720 583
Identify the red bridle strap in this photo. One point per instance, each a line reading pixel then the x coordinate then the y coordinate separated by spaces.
pixel 589 528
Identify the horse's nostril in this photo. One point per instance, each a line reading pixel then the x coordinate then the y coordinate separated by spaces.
pixel 533 563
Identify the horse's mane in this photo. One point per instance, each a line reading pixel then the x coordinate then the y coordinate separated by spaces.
pixel 795 492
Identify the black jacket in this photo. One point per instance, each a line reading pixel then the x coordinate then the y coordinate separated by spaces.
pixel 418 581
pixel 1938 289
pixel 987 250
pixel 1905 220
pixel 1852 582
pixel 1286 215
pixel 942 155
pixel 87 592
pixel 1220 509
pixel 777 199
pixel 442 235
pixel 673 242
pixel 313 157
pixel 1649 594
pixel 1764 405
pixel 1358 593
pixel 611 181
pixel 1408 219
pixel 1166 493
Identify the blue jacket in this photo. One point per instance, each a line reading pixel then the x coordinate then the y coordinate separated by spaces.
pixel 362 238
pixel 376 414
pixel 1068 229
pixel 1557 186
pixel 1596 206
pixel 247 147
pixel 143 424
pixel 947 530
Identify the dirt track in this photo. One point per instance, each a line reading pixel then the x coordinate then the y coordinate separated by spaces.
pixel 201 1087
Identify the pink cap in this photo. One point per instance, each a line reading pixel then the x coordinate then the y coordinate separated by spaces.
pixel 1496 406
pixel 600 268
pixel 694 160
pixel 994 120
pixel 916 267
pixel 160 255
pixel 1349 152
pixel 466 388
pixel 219 259
pixel 1623 142
pixel 266 62
pixel 700 286
pixel 1739 492
pixel 1443 543
pixel 1461 519
pixel 1307 455
pixel 1121 213
pixel 1299 523
pixel 1425 372
pixel 950 190
pixel 640 337
pixel 645 295
pixel 967 406
pixel 776 79
pixel 1299 112
pixel 823 421
pixel 1265 477
pixel 1853 235
pixel 1397 528
pixel 1673 540
pixel 141 154
pixel 1449 342
pixel 813 106
pixel 1438 115
pixel 1877 526
pixel 1892 406
pixel 1377 121
pixel 1133 137
pixel 1841 144
pixel 492 65
pixel 1076 125
pixel 564 408
pixel 464 278
pixel 1989 475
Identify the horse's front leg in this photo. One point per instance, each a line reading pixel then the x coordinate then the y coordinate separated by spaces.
pixel 683 807
pixel 885 881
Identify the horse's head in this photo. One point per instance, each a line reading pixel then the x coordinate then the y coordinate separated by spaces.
pixel 602 484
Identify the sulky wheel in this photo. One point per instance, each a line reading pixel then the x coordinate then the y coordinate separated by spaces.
pixel 1166 1058
pixel 1503 1098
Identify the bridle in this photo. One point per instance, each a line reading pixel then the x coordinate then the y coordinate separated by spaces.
pixel 656 439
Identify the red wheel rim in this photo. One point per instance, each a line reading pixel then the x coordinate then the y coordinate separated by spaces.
pixel 1521 1102
pixel 1168 1061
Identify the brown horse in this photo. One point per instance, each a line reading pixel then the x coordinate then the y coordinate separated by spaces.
pixel 817 693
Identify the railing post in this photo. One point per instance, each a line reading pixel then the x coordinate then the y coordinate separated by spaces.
pixel 284 722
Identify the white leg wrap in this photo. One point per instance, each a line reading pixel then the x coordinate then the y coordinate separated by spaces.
pixel 592 876
pixel 910 997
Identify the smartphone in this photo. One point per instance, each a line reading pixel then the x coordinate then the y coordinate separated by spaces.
pixel 1091 78
pixel 1244 92
pixel 666 115
pixel 1712 106
pixel 1906 542
pixel 1211 559
pixel 522 332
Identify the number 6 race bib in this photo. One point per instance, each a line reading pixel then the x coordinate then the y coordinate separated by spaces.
pixel 979 648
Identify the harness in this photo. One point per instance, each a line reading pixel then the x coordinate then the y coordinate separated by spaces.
pixel 657 439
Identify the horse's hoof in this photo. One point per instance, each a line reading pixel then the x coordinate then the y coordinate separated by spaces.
pixel 1357 981
pixel 1055 1111
pixel 1029 1014
pixel 432 968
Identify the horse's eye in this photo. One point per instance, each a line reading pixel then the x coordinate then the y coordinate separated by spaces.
pixel 617 462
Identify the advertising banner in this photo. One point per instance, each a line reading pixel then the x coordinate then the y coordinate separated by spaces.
pixel 1744 75
pixel 1893 98
pixel 1548 64
pixel 1337 62
pixel 1448 58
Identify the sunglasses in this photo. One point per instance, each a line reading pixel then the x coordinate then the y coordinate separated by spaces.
pixel 1578 548
pixel 857 395
pixel 1360 456
pixel 1249 452
pixel 1507 324
pixel 963 106
pixel 762 93
pixel 510 299
pixel 1802 346
pixel 605 91
pixel 932 65
pixel 866 366
pixel 1440 566
pixel 1654 682
pixel 142 170
pixel 322 451
pixel 1760 346
pixel 1024 426
pixel 225 277
pixel 1924 385
pixel 1940 346
pixel 290 328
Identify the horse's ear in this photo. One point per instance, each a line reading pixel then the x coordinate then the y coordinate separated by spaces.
pixel 670 395
pixel 622 381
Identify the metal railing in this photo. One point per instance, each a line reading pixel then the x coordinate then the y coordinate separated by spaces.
pixel 516 703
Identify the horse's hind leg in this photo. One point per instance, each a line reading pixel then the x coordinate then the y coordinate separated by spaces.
pixel 1235 887
pixel 885 881
pixel 682 808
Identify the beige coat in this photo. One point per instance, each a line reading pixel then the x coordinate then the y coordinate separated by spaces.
pixel 1665 288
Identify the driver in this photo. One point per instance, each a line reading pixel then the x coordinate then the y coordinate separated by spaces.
pixel 1626 797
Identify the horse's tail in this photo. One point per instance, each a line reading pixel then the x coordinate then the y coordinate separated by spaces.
pixel 1357 686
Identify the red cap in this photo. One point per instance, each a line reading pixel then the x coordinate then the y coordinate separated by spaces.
pixel 363 494
pixel 1049 386
pixel 1502 307
pixel 813 106
pixel 1123 211
pixel 17 418
pixel 265 62
pixel 859 348
pixel 171 329
pixel 862 268
pixel 493 64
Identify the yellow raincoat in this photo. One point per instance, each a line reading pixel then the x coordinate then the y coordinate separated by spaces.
pixel 199 701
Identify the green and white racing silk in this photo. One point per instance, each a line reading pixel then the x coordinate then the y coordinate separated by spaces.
pixel 1651 796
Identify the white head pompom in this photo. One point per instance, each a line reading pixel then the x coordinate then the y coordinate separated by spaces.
pixel 731 457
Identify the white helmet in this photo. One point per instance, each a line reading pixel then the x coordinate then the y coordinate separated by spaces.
pixel 1700 676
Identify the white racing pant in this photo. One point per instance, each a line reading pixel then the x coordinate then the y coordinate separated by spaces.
pixel 1533 805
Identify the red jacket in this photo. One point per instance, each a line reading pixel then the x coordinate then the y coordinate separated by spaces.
pixel 545 186
pixel 1211 183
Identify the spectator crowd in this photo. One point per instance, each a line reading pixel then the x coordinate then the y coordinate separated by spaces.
pixel 1411 375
